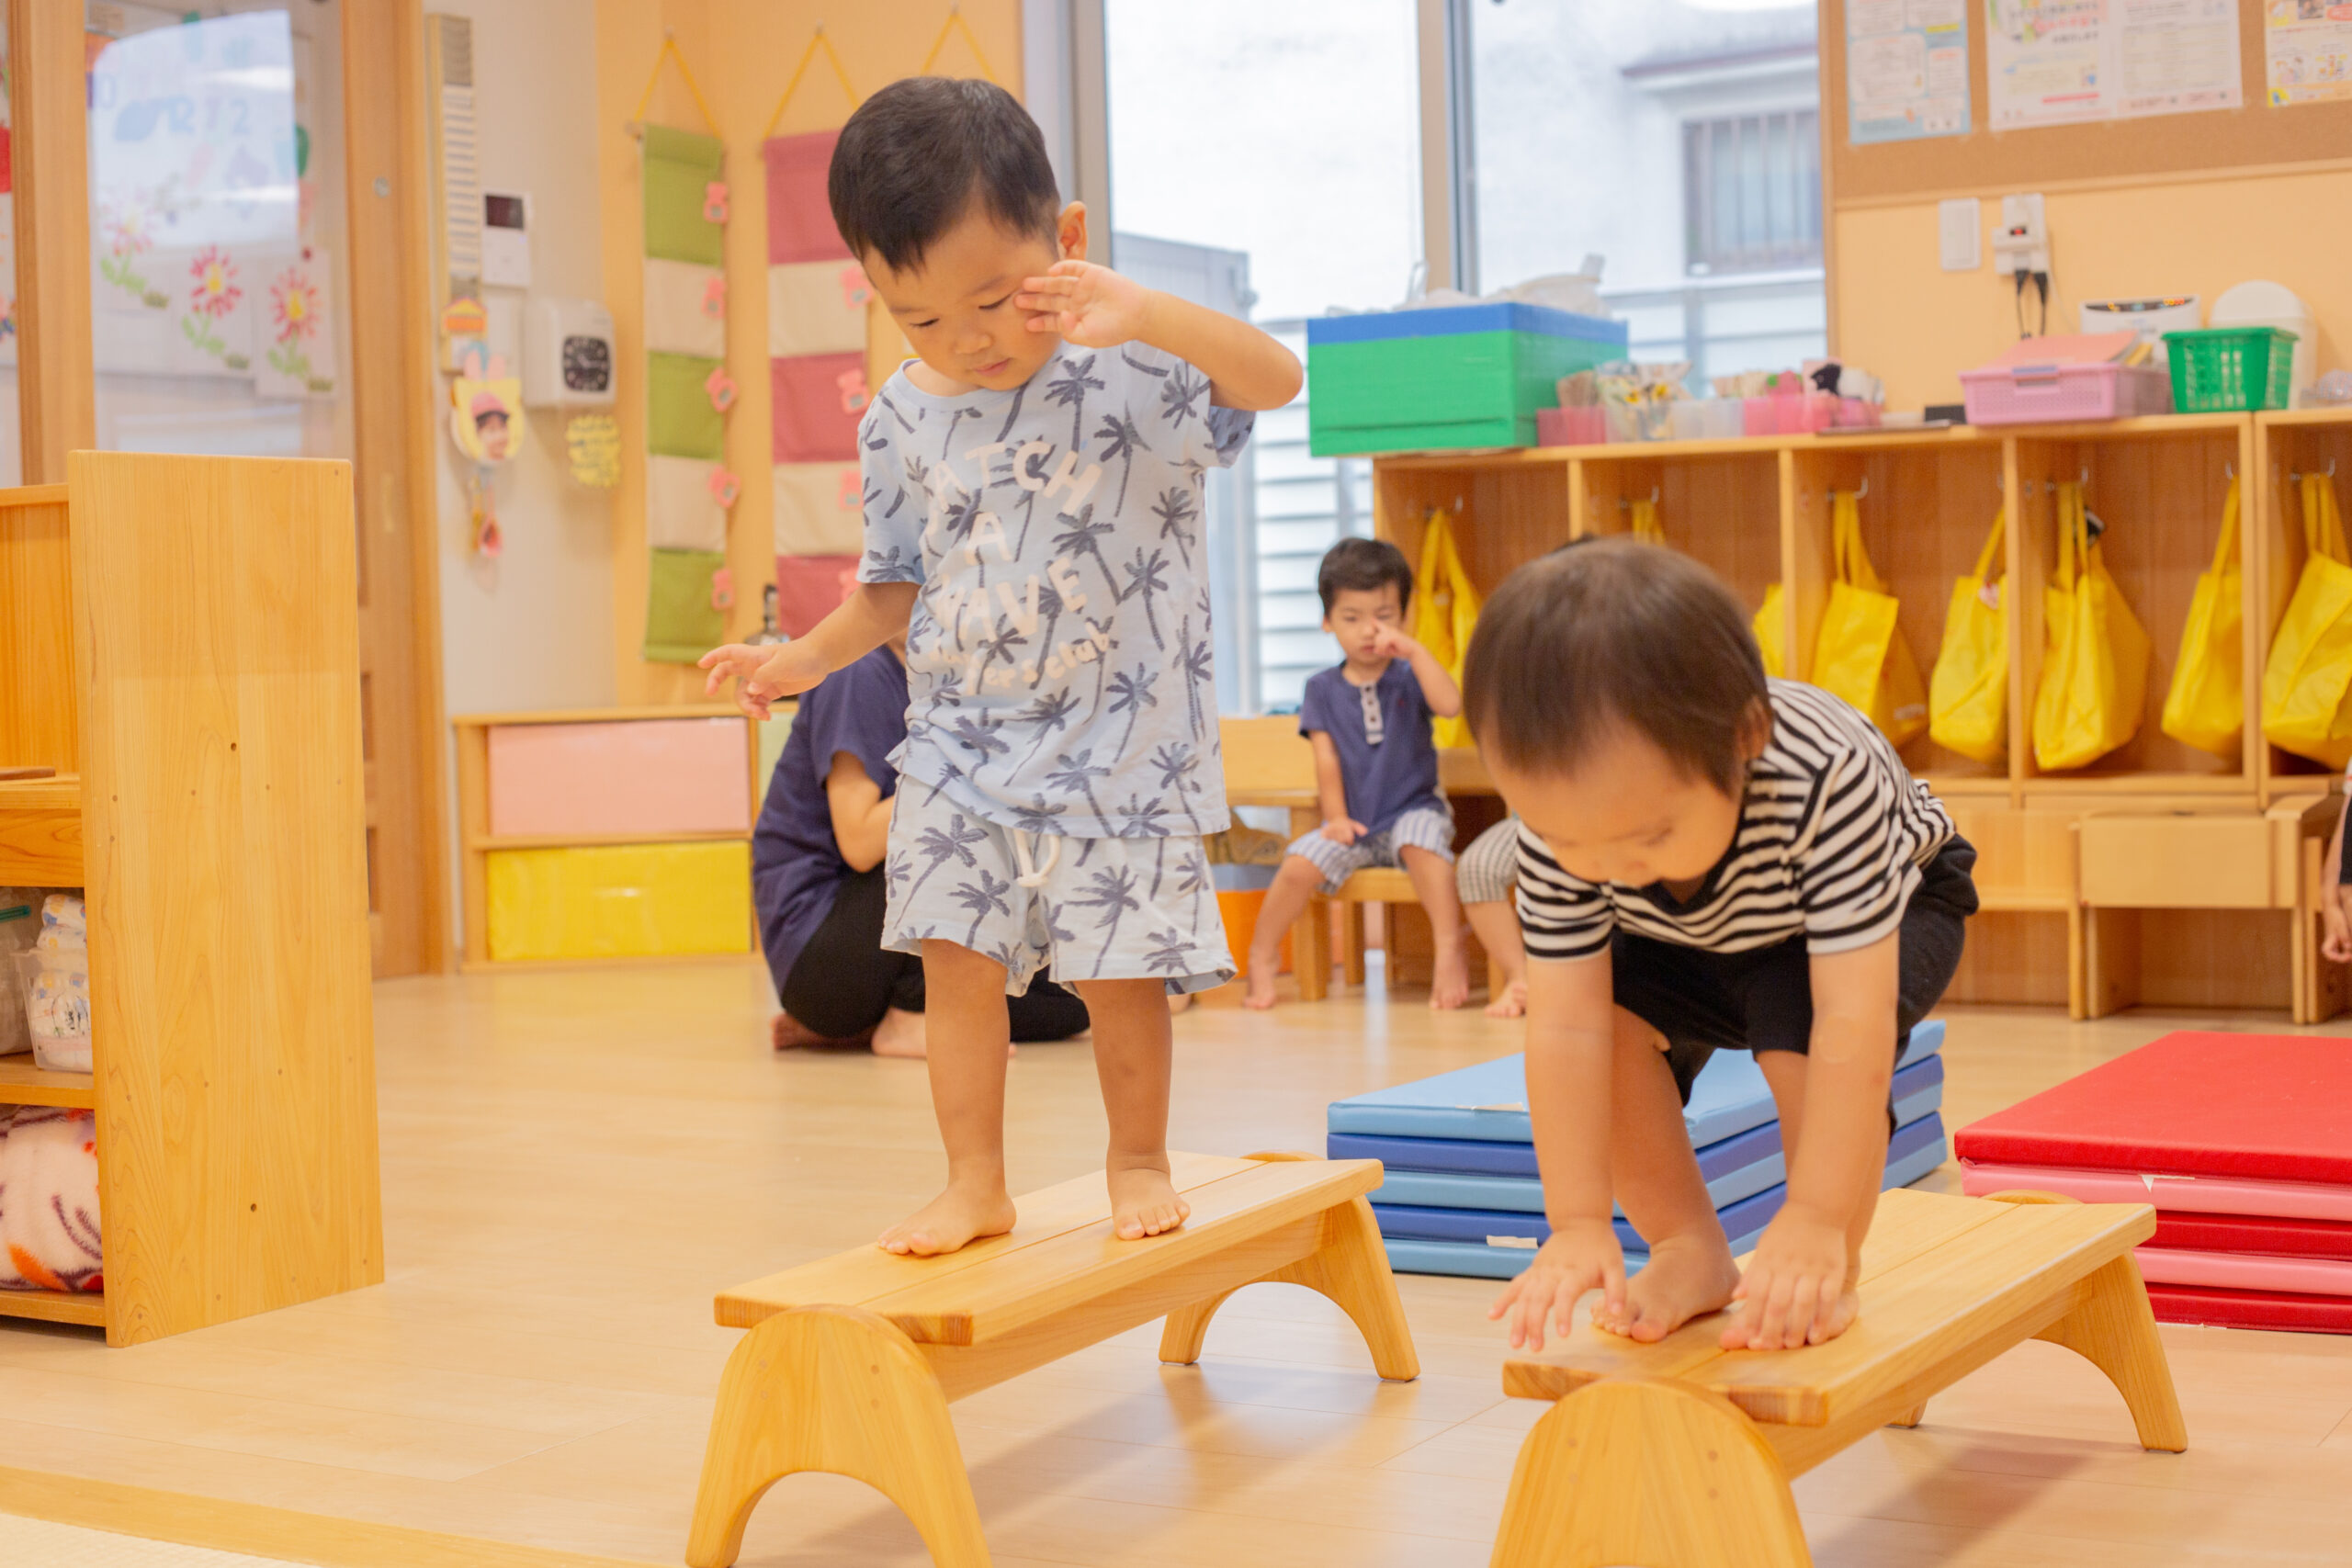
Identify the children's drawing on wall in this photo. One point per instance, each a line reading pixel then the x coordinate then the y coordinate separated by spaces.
pixel 486 422
pixel 298 357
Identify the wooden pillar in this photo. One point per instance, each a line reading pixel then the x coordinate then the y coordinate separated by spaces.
pixel 49 118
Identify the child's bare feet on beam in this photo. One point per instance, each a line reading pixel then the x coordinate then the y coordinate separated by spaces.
pixel 1144 1201
pixel 1685 1277
pixel 963 1213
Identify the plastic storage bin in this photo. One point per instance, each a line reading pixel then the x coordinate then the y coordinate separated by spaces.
pixel 2052 394
pixel 1444 378
pixel 620 901
pixel 2231 369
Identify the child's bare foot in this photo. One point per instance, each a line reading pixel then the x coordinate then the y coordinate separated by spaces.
pixel 1512 1003
pixel 1450 980
pixel 1260 994
pixel 1144 1201
pixel 1686 1276
pixel 1179 1001
pixel 963 1214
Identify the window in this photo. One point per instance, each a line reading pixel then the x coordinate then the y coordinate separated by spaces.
pixel 1751 192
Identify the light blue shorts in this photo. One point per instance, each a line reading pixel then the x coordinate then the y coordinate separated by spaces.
pixel 1087 908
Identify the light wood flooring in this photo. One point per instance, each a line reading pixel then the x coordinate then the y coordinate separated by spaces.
pixel 575 1161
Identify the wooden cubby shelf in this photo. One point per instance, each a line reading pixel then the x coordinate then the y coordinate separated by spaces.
pixel 181 641
pixel 1758 512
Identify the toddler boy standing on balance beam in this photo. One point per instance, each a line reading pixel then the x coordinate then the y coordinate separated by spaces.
pixel 1034 527
pixel 1708 859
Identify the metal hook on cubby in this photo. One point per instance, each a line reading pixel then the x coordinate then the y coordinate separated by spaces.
pixel 1625 504
pixel 1863 488
pixel 2293 478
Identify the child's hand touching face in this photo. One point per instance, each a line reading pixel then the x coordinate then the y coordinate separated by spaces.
pixel 1390 642
pixel 1088 305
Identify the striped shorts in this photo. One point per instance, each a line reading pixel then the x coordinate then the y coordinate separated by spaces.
pixel 1489 866
pixel 1426 828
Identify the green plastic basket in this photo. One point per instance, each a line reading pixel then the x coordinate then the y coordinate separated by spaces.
pixel 2229 369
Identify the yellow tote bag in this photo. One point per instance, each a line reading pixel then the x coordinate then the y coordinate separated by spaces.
pixel 2206 707
pixel 1968 697
pixel 2095 670
pixel 1859 654
pixel 1647 526
pixel 1772 632
pixel 2310 668
pixel 1448 613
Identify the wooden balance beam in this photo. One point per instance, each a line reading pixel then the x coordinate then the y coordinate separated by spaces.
pixel 851 1361
pixel 1678 1454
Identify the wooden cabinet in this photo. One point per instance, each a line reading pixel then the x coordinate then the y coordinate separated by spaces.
pixel 2190 842
pixel 181 647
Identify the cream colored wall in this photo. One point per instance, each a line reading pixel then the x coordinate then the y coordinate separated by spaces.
pixel 1896 311
pixel 742 53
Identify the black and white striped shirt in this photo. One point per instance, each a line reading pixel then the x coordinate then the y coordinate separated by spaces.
pixel 1833 830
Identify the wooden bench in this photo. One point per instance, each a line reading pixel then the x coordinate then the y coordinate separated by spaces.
pixel 1678 1454
pixel 851 1361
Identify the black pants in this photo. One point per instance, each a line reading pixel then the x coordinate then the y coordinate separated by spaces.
pixel 844 981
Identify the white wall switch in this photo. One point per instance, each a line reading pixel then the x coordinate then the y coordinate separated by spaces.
pixel 1960 233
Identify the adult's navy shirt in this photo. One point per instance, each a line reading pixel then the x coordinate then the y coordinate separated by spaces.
pixel 1386 779
pixel 859 710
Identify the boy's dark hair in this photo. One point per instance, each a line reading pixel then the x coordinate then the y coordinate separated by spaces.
pixel 918 154
pixel 1581 642
pixel 1369 565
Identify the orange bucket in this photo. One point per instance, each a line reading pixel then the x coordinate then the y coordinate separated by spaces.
pixel 1239 911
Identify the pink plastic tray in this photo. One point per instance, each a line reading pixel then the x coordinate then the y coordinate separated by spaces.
pixel 2057 394
pixel 2191 1194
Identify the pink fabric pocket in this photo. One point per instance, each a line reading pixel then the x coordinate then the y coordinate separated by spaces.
pixel 818 399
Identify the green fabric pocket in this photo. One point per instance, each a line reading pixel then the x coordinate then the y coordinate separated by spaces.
pixel 681 622
pixel 680 421
pixel 679 169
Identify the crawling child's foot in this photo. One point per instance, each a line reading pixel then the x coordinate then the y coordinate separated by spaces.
pixel 962 1215
pixel 1144 1201
pixel 1685 1277
pixel 1512 1003
pixel 1450 981
pixel 1259 996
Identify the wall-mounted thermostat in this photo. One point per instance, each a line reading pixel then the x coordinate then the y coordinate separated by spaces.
pixel 505 240
pixel 567 353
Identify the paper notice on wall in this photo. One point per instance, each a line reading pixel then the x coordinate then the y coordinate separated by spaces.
pixel 2309 48
pixel 1906 70
pixel 2062 62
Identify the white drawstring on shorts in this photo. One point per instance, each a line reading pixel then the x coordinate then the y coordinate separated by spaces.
pixel 1033 875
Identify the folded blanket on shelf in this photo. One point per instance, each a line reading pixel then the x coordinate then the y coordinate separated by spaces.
pixel 49 1199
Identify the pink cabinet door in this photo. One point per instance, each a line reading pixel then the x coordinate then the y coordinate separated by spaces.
pixel 633 777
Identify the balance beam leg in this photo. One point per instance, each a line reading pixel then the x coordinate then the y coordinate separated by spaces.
pixel 1649 1470
pixel 1350 1268
pixel 2114 1331
pixel 1912 1417
pixel 835 1389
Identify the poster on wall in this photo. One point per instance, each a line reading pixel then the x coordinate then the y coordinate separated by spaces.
pixel 2307 46
pixel 2065 61
pixel 1906 70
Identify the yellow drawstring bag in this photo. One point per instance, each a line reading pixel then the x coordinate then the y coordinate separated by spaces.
pixel 2310 668
pixel 1645 523
pixel 2095 670
pixel 1448 613
pixel 2206 707
pixel 1772 632
pixel 1858 654
pixel 1968 697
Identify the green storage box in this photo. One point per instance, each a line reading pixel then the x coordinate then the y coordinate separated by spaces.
pixel 1445 378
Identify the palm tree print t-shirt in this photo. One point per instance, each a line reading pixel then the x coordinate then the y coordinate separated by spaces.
pixel 1058 673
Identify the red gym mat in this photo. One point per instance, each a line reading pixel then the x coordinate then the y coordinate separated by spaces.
pixel 2250 1309
pixel 2247 1233
pixel 2236 1195
pixel 2266 1106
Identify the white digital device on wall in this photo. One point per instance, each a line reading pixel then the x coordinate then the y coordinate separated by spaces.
pixel 567 353
pixel 505 240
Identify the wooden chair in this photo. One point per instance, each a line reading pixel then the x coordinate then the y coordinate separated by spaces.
pixel 851 1361
pixel 1680 1452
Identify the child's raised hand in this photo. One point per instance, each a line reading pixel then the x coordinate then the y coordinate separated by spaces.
pixel 1389 641
pixel 1343 829
pixel 1795 1292
pixel 1089 305
pixel 762 675
pixel 1581 1255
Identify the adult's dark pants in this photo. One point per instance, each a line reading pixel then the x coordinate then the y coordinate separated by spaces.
pixel 844 981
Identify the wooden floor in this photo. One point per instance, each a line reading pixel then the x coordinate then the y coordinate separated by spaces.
pixel 574 1162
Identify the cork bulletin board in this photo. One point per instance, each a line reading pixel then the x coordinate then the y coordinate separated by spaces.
pixel 2126 151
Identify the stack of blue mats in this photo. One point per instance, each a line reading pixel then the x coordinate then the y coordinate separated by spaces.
pixel 1462 1195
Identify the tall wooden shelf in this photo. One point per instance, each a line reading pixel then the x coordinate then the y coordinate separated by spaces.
pixel 180 637
pixel 1757 512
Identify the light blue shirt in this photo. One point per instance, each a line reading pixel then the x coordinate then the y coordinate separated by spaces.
pixel 1058 671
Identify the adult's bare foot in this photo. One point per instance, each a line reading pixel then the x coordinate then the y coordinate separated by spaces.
pixel 1512 1003
pixel 962 1215
pixel 1144 1201
pixel 1450 980
pixel 901 1033
pixel 1686 1276
pixel 788 1033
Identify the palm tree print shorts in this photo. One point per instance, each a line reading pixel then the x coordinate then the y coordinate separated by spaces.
pixel 1084 909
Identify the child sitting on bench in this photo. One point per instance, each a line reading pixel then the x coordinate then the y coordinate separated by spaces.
pixel 1376 769
pixel 1710 859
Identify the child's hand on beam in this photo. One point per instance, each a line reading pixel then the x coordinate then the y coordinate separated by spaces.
pixel 1582 1255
